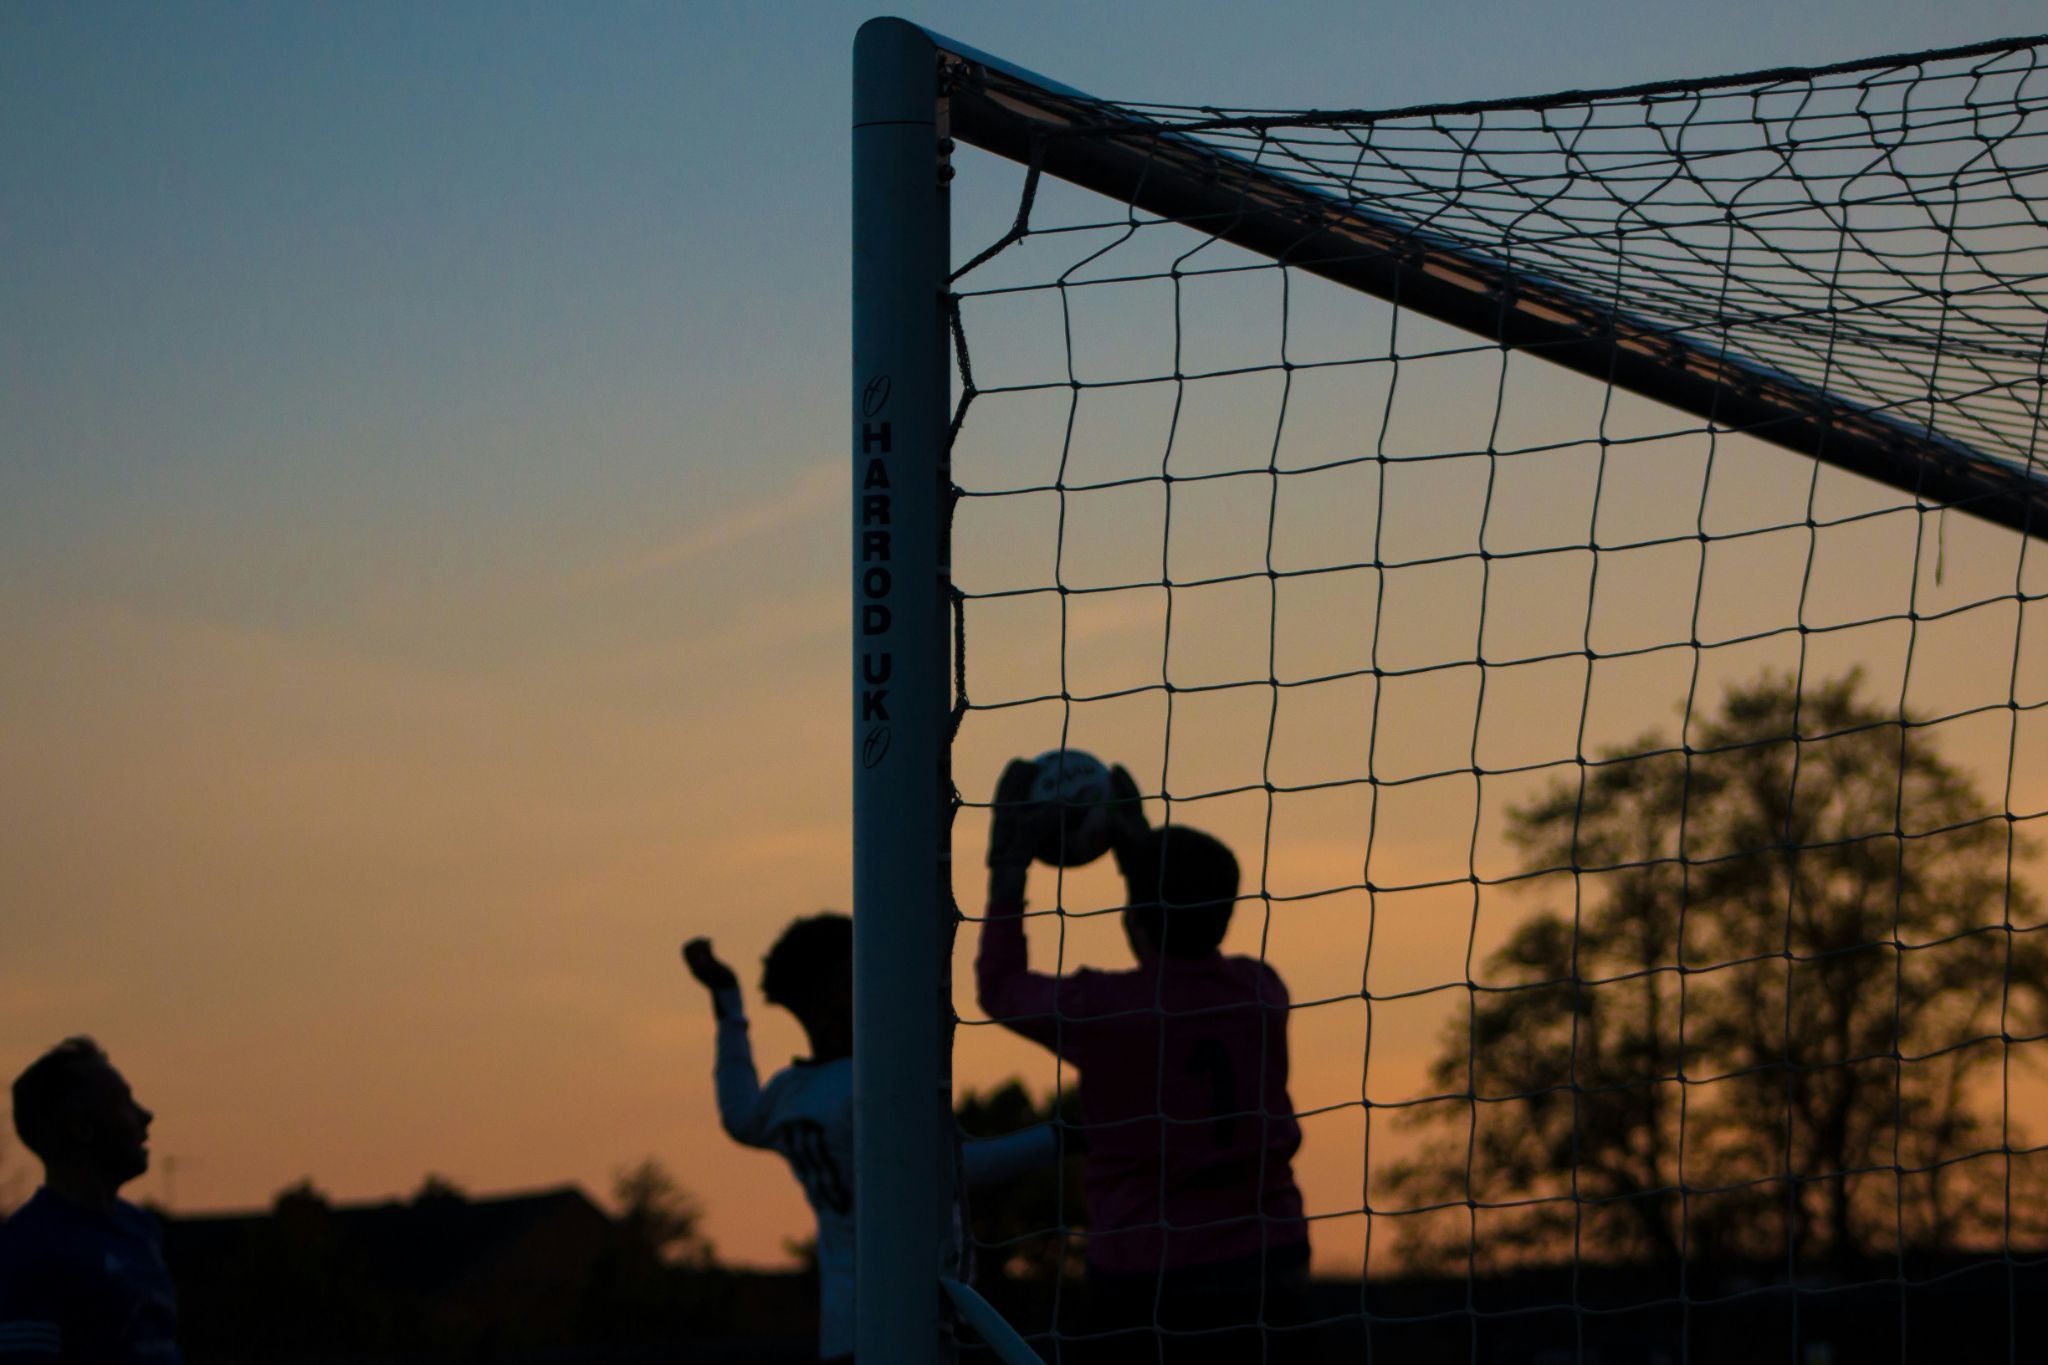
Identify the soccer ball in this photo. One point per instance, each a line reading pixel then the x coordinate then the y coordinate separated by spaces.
pixel 1075 786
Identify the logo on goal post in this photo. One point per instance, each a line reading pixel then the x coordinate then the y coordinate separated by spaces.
pixel 876 747
pixel 875 397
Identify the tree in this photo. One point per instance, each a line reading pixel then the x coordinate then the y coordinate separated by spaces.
pixel 290 1286
pixel 435 1188
pixel 1772 1015
pixel 659 1274
pixel 657 1215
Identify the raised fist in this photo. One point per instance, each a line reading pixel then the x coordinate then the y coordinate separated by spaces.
pixel 705 966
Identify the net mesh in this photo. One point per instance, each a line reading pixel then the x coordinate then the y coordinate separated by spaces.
pixel 1637 811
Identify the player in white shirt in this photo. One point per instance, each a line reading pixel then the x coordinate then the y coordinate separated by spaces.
pixel 806 1109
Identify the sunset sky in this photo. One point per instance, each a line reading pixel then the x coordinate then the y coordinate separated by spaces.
pixel 423 589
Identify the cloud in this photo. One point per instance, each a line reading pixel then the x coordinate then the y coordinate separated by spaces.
pixel 812 492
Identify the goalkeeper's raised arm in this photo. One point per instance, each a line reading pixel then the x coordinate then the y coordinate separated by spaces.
pixel 1009 990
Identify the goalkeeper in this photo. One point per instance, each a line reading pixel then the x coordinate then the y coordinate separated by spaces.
pixel 1194 1221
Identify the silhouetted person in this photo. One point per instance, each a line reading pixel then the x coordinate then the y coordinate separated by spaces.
pixel 82 1274
pixel 806 1110
pixel 1194 1219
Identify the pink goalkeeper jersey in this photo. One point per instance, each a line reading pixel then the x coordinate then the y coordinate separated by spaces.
pixel 1183 1091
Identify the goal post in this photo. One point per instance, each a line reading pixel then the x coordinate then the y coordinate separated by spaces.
pixel 903 915
pixel 1521 531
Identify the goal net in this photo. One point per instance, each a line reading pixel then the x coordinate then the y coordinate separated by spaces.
pixel 1578 554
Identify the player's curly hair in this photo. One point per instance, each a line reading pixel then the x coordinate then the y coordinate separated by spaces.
pixel 1183 888
pixel 42 1092
pixel 813 954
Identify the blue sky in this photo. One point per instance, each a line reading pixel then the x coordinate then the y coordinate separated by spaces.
pixel 447 269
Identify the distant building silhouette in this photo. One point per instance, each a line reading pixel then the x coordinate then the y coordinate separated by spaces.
pixel 515 1277
pixel 525 1259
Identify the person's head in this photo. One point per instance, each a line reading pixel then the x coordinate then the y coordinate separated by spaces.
pixel 77 1114
pixel 1182 885
pixel 809 971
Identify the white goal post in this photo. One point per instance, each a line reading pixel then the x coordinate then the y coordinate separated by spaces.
pixel 902 896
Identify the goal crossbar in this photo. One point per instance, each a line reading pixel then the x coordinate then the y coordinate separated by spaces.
pixel 1056 130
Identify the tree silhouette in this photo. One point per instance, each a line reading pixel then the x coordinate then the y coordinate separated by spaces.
pixel 1770 1019
pixel 658 1215
pixel 660 1273
pixel 435 1188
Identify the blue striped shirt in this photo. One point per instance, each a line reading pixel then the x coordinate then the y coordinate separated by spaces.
pixel 85 1287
